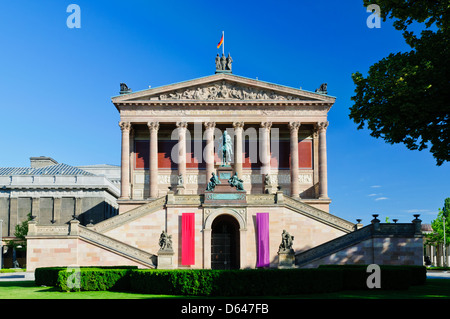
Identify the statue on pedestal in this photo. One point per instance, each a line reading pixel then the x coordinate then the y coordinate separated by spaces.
pixel 213 181
pixel 234 181
pixel 226 148
pixel 286 243
pixel 165 241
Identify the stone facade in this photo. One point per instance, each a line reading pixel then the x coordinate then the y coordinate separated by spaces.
pixel 169 151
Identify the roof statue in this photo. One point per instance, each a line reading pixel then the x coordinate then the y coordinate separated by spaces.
pixel 223 64
pixel 322 89
pixel 124 89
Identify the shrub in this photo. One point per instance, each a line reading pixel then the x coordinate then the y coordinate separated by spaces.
pixel 94 279
pixel 392 277
pixel 252 282
pixel 48 276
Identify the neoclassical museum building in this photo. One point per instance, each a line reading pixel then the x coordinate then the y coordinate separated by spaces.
pixel 223 172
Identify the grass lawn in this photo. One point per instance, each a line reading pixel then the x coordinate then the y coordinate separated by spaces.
pixel 433 289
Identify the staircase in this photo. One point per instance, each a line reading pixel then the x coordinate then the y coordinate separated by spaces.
pixel 138 255
pixel 373 230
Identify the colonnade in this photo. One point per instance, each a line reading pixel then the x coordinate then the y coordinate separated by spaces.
pixel 209 126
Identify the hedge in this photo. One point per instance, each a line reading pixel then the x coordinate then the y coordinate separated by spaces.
pixel 48 276
pixel 94 279
pixel 392 277
pixel 249 282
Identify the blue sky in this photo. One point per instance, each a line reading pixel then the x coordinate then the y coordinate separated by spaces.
pixel 58 82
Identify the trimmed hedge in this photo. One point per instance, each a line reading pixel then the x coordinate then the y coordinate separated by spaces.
pixel 392 277
pixel 48 276
pixel 249 282
pixel 94 279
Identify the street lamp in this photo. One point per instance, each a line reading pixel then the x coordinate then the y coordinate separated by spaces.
pixel 445 259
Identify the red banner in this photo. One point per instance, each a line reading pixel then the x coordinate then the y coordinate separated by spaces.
pixel 188 239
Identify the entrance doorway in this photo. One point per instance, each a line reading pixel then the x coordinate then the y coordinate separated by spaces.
pixel 225 243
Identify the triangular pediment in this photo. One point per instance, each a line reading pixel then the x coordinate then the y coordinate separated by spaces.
pixel 223 87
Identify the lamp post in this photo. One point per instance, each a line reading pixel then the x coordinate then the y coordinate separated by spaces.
pixel 445 259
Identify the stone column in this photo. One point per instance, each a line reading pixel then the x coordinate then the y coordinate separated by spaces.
pixel 209 149
pixel 153 160
pixel 238 160
pixel 182 127
pixel 125 164
pixel 323 183
pixel 264 151
pixel 293 127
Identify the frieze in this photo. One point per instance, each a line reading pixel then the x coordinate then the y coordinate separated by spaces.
pixel 225 91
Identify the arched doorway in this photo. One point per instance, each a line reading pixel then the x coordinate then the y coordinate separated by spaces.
pixel 225 243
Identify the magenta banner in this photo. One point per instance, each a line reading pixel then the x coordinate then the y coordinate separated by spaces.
pixel 262 224
pixel 188 239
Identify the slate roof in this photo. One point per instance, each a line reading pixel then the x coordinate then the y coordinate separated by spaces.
pixel 58 169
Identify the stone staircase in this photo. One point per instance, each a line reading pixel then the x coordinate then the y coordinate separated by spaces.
pixel 95 234
pixel 373 230
pixel 138 255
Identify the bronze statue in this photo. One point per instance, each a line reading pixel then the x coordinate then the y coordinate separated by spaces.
pixel 213 181
pixel 234 181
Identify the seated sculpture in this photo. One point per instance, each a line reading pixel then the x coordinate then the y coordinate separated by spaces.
pixel 234 181
pixel 213 181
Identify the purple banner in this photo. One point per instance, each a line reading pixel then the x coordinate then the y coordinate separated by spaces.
pixel 262 224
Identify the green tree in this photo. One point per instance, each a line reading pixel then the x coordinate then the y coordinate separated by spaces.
pixel 437 236
pixel 20 234
pixel 405 98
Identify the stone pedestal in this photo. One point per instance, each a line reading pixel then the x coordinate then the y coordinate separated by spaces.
pixel 286 259
pixel 165 259
pixel 224 193
pixel 180 190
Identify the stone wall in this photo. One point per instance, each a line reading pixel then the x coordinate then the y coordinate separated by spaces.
pixel 70 251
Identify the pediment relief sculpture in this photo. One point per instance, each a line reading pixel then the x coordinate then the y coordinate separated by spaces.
pixel 224 91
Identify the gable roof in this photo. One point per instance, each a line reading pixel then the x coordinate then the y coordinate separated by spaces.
pixel 221 87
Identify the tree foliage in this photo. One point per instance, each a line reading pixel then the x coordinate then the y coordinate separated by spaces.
pixel 20 233
pixel 437 236
pixel 405 98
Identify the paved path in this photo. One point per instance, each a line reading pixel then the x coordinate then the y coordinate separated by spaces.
pixel 17 276
pixel 438 274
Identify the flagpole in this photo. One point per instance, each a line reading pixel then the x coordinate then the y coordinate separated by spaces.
pixel 223 43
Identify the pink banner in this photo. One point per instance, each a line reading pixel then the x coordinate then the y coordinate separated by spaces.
pixel 262 224
pixel 188 239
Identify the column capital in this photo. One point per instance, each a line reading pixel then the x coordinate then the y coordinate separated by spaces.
pixel 322 126
pixel 266 125
pixel 153 125
pixel 209 125
pixel 237 125
pixel 294 125
pixel 182 124
pixel 125 126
